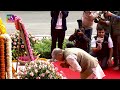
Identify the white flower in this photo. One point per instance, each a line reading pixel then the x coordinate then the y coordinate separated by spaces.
pixel 64 78
pixel 56 68
pixel 32 63
pixel 28 67
pixel 35 65
pixel 31 74
pixel 61 71
pixel 42 75
pixel 40 69
pixel 47 71
pixel 36 71
pixel 50 76
pixel 38 77
pixel 25 72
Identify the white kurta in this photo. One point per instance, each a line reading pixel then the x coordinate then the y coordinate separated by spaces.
pixel 74 65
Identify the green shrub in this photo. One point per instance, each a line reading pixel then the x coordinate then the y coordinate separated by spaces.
pixel 42 47
pixel 18 47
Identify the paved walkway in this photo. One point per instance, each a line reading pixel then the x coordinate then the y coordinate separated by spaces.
pixel 38 22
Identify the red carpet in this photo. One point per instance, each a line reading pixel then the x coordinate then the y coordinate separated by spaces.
pixel 110 73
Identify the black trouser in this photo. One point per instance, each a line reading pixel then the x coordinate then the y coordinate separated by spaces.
pixel 88 33
pixel 116 50
pixel 103 60
pixel 57 35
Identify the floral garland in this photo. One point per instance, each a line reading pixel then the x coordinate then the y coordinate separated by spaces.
pixel 19 26
pixel 28 43
pixel 2 58
pixel 18 47
pixel 8 55
pixel 5 53
pixel 2 51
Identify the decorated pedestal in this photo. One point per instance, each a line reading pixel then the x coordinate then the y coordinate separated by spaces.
pixel 25 59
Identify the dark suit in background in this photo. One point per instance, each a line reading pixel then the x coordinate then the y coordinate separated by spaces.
pixel 58 34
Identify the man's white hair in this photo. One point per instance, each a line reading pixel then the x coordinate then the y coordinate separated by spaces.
pixel 55 52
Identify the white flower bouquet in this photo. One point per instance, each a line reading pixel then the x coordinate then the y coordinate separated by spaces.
pixel 40 69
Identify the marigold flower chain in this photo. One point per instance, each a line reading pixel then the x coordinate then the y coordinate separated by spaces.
pixel 2 58
pixel 5 53
pixel 7 56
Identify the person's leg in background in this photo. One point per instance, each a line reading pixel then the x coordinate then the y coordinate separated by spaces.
pixel 88 33
pixel 119 50
pixel 54 36
pixel 115 51
pixel 104 64
pixel 61 36
pixel 79 21
pixel 93 54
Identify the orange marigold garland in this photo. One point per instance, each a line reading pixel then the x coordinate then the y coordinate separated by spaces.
pixel 5 53
pixel 8 56
pixel 2 58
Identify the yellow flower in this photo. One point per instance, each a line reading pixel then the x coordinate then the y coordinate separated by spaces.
pixel 14 60
pixel 44 59
pixel 2 27
pixel 1 21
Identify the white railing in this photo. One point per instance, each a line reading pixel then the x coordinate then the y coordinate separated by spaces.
pixel 49 36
